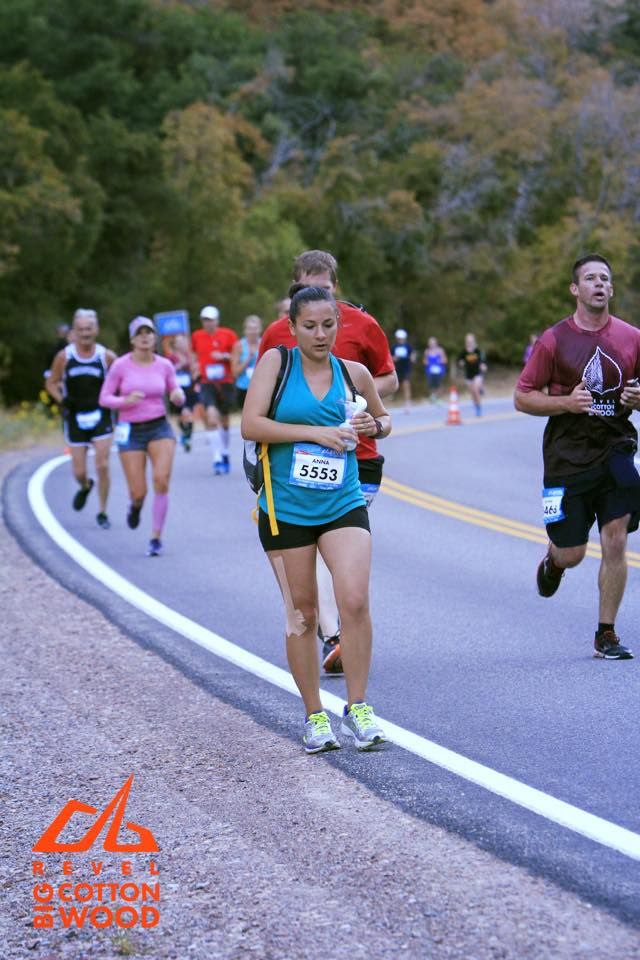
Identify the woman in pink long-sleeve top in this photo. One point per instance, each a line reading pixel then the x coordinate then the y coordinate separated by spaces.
pixel 136 386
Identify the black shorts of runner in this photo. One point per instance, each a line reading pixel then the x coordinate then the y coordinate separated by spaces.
pixel 76 436
pixel 142 434
pixel 370 476
pixel 191 398
pixel 603 493
pixel 370 470
pixel 434 380
pixel 296 535
pixel 219 395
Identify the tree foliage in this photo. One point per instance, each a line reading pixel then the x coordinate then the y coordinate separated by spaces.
pixel 455 156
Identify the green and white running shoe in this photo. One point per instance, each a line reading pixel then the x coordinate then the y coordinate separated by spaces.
pixel 360 722
pixel 318 735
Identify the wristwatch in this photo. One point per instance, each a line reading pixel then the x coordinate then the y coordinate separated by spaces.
pixel 379 429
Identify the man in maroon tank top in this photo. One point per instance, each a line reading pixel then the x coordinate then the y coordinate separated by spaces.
pixel 583 375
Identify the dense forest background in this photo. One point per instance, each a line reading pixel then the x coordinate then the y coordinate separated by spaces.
pixel 455 155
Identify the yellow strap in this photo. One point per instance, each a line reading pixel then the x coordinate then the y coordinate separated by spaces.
pixel 271 508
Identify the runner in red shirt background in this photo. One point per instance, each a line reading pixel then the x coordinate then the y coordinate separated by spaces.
pixel 213 346
pixel 361 338
pixel 583 375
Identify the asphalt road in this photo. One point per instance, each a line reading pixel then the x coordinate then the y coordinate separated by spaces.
pixel 466 655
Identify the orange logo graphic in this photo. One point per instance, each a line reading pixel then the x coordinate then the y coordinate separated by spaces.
pixel 115 809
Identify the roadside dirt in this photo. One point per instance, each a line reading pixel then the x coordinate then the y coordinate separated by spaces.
pixel 265 852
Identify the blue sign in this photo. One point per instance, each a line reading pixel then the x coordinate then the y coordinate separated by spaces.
pixel 171 322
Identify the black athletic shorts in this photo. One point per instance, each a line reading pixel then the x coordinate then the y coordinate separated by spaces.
pixel 222 396
pixel 296 535
pixel 81 429
pixel 191 398
pixel 602 493
pixel 370 476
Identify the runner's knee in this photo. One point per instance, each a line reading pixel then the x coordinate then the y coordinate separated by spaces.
pixel 297 621
pixel 353 606
pixel 300 616
pixel 566 557
pixel 161 483
pixel 613 538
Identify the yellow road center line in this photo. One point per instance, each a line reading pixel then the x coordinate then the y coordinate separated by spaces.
pixel 480 518
pixel 490 418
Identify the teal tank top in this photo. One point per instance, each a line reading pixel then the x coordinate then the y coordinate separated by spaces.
pixel 312 485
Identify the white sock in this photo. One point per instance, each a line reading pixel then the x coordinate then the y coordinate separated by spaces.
pixel 214 443
pixel 225 439
pixel 328 617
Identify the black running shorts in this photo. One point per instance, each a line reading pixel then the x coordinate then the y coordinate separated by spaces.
pixel 603 493
pixel 296 535
pixel 222 396
pixel 81 432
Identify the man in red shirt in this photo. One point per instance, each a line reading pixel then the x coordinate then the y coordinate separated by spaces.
pixel 361 338
pixel 583 375
pixel 213 346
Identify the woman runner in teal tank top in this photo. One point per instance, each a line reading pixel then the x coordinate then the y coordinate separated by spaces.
pixel 320 499
pixel 319 506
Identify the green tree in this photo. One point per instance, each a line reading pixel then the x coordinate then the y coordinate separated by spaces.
pixel 217 242
pixel 47 229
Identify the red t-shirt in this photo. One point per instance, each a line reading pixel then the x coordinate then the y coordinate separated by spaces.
pixel 562 357
pixel 360 337
pixel 208 347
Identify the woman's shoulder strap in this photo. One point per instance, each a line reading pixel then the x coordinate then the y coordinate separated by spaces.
pixel 347 378
pixel 286 361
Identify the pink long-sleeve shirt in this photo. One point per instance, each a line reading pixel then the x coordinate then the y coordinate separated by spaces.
pixel 155 380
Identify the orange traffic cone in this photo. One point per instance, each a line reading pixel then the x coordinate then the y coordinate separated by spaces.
pixel 453 416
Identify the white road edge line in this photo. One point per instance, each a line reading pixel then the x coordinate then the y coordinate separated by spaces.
pixel 565 814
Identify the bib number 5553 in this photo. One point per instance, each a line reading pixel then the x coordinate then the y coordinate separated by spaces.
pixel 316 466
pixel 318 473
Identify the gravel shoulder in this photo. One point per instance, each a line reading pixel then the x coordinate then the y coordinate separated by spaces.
pixel 250 863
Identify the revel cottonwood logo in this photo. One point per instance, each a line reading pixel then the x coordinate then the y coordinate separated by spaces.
pixel 94 897
pixel 48 842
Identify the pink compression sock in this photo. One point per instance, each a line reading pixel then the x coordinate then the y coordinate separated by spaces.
pixel 159 509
